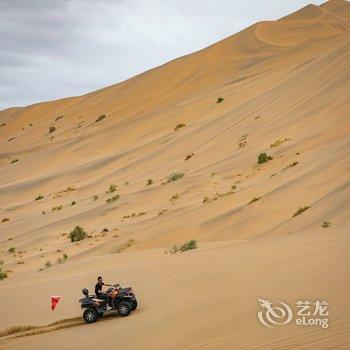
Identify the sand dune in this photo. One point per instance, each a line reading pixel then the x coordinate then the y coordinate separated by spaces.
pixel 285 87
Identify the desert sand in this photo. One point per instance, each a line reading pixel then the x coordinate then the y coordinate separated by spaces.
pixel 277 230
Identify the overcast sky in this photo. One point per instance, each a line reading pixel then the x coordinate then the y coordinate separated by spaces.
pixel 56 48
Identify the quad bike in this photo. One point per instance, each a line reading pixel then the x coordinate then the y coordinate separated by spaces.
pixel 121 301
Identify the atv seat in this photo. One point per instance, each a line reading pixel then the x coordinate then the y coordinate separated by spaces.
pixel 98 300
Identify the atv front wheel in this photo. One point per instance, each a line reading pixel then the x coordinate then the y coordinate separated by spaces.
pixel 90 315
pixel 134 305
pixel 124 308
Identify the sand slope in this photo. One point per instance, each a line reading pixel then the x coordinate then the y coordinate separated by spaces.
pixel 285 86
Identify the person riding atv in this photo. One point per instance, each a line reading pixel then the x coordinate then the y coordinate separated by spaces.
pixel 118 300
pixel 99 293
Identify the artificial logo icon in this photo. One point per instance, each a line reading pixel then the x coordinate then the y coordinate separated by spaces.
pixel 274 315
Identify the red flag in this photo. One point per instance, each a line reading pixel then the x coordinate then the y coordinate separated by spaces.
pixel 54 302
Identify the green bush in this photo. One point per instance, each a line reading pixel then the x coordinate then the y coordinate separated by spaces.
pixel 279 142
pixel 263 158
pixel 52 129
pixel 39 197
pixel 220 99
pixel 48 263
pixel 173 177
pixel 301 210
pixel 77 234
pixel 3 274
pixel 12 250
pixel 190 245
pixel 149 182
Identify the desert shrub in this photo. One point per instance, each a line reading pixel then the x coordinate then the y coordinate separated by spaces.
pixel 173 177
pixel 278 142
pixel 134 215
pixel 206 199
pixel 263 158
pixel 77 234
pixel 290 166
pixel 1 262
pixel 58 118
pixel 254 199
pixel 326 224
pixel 65 256
pixel 69 189
pixel 101 117
pixel 126 245
pixel 149 182
pixel 220 99
pixel 113 199
pixel 189 156
pixel 3 274
pixel 179 126
pixel 11 250
pixel 174 197
pixel 73 203
pixel 39 197
pixel 5 220
pixel 161 212
pixel 48 263
pixel 57 208
pixel 14 161
pixel 2 125
pixel 190 245
pixel 301 210
pixel 112 188
pixel 51 129
pixel 95 197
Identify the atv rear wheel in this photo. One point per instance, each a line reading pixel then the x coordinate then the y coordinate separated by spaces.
pixel 124 308
pixel 90 315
